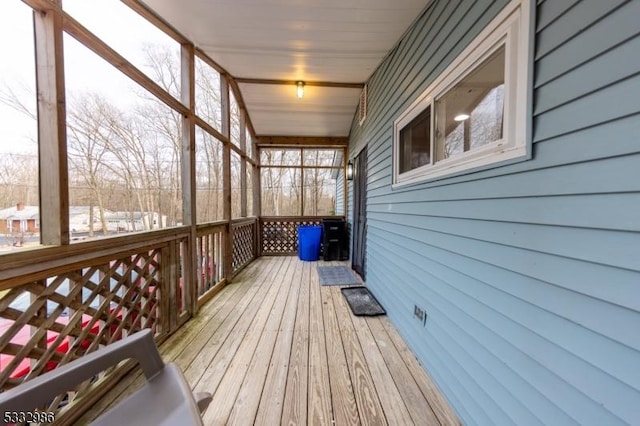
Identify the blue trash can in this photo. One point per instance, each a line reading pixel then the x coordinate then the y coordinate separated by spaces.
pixel 309 238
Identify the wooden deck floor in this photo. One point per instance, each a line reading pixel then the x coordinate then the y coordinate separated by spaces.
pixel 275 347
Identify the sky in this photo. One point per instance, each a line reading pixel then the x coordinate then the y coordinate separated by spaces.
pixel 110 20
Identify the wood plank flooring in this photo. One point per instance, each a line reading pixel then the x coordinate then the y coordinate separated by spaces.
pixel 275 347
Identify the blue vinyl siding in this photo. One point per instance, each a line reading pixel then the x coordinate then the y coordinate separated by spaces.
pixel 530 272
pixel 340 182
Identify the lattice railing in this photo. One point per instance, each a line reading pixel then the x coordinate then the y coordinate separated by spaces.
pixel 244 243
pixel 210 245
pixel 82 297
pixel 279 235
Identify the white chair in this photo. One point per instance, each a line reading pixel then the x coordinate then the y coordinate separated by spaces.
pixel 165 399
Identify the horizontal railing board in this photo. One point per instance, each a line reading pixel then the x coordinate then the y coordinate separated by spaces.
pixel 19 267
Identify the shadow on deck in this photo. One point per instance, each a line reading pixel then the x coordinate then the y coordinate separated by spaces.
pixel 275 347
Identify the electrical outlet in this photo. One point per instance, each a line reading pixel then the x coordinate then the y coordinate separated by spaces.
pixel 420 314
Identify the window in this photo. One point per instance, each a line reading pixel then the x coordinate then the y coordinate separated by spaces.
pixel 207 91
pixel 139 41
pixel 19 187
pixel 123 148
pixel 209 186
pixel 474 113
pixel 236 197
pixel 300 181
pixel 414 142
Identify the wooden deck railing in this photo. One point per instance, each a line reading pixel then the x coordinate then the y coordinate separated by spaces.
pixel 210 258
pixel 279 234
pixel 244 243
pixel 59 303
pixel 78 298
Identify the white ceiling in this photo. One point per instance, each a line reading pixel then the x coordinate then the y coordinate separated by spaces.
pixel 339 41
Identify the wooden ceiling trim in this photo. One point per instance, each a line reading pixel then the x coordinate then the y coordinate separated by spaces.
pixel 213 64
pixel 43 5
pixel 293 83
pixel 302 141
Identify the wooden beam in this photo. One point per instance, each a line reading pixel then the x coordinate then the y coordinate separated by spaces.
pixel 342 85
pixel 243 164
pixel 302 190
pixel 226 176
pixel 52 130
pixel 304 141
pixel 19 268
pixel 188 135
pixel 257 207
pixel 188 161
pixel 211 130
pixel 43 5
pixel 257 185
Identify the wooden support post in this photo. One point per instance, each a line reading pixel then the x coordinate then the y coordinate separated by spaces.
pixel 257 185
pixel 302 190
pixel 257 198
pixel 243 164
pixel 52 131
pixel 41 316
pixel 166 303
pixel 189 212
pixel 226 173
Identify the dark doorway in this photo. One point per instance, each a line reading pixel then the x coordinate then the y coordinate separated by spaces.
pixel 359 213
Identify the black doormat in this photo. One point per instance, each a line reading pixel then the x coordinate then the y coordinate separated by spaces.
pixel 362 302
pixel 336 275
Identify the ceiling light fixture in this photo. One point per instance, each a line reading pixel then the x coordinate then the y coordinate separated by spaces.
pixel 300 89
pixel 461 117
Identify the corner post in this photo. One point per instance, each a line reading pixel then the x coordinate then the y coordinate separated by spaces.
pixel 188 161
pixel 52 131
pixel 226 172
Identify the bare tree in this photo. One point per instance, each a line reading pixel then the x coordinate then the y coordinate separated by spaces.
pixel 90 132
pixel 18 179
pixel 19 172
pixel 16 101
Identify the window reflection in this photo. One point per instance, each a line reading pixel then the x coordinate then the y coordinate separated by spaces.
pixel 470 115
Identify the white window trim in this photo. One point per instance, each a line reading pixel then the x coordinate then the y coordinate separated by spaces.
pixel 511 29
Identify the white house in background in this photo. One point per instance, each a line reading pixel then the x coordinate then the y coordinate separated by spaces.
pixel 123 221
pixel 80 218
pixel 26 219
